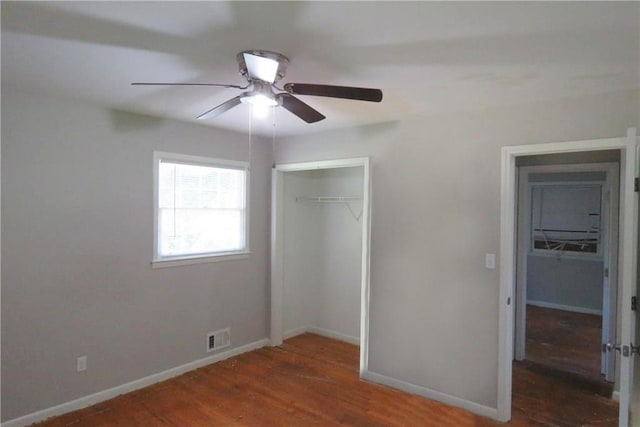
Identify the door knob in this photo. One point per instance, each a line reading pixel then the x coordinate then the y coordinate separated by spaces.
pixel 626 350
pixel 609 347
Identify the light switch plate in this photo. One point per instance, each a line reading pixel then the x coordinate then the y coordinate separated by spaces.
pixel 490 261
pixel 81 364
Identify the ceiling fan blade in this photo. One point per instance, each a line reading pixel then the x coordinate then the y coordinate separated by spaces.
pixel 299 108
pixel 188 84
pixel 346 92
pixel 225 106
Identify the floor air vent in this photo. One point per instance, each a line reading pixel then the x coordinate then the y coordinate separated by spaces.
pixel 218 339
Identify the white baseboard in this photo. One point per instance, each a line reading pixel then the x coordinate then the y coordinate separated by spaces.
pixel 476 408
pixel 322 332
pixel 335 335
pixel 101 396
pixel 545 304
pixel 295 332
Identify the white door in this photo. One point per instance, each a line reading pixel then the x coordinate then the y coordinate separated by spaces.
pixel 634 410
pixel 629 416
pixel 611 282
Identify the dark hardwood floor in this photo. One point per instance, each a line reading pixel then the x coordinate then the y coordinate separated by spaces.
pixel 313 381
pixel 564 347
pixel 564 340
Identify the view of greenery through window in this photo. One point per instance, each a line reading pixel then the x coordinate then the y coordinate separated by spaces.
pixel 201 209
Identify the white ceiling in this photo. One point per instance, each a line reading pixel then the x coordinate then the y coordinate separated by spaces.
pixel 427 57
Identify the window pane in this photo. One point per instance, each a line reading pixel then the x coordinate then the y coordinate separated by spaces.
pixel 566 218
pixel 201 209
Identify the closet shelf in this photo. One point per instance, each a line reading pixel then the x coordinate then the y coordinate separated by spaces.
pixel 345 200
pixel 328 199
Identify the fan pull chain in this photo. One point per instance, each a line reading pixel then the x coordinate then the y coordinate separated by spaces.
pixel 250 133
pixel 273 129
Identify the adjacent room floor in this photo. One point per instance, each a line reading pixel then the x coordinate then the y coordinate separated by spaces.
pixel 564 340
pixel 313 381
pixel 563 359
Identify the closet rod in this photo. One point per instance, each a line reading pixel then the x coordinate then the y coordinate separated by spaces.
pixel 328 199
pixel 344 200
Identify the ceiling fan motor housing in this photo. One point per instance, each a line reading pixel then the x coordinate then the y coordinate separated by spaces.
pixel 282 61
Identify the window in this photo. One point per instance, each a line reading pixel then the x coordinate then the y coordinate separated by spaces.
pixel 565 218
pixel 201 207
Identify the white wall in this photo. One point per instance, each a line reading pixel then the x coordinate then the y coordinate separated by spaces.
pixel 322 253
pixel 77 225
pixel 435 213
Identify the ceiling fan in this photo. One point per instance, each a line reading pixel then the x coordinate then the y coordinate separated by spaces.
pixel 263 69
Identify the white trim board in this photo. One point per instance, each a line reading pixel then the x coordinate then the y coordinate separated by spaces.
pixel 323 333
pixel 545 304
pixel 323 164
pixel 101 396
pixel 447 399
pixel 295 332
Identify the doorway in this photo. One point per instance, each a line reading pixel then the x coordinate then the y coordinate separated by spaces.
pixel 627 252
pixel 566 287
pixel 320 251
pixel 566 284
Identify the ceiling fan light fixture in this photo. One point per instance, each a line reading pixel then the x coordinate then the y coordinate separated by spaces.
pixel 259 100
pixel 261 96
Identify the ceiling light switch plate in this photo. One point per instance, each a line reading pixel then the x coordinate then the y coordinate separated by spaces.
pixel 490 261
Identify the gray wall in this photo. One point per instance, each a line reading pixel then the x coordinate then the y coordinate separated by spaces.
pixel 565 281
pixel 302 272
pixel 77 227
pixel 435 213
pixel 77 243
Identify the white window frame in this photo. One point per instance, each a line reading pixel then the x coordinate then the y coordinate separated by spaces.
pixel 566 253
pixel 171 261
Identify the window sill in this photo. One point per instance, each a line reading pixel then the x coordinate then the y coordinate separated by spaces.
pixel 177 262
pixel 567 255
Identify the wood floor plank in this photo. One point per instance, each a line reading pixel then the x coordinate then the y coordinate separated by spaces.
pixel 313 381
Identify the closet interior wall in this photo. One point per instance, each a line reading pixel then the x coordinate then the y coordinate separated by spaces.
pixel 323 252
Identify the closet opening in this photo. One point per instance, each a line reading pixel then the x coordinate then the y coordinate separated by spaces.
pixel 320 251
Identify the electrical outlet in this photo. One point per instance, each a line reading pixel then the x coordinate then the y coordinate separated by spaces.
pixel 81 363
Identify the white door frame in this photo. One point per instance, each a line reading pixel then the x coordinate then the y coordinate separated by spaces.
pixel 277 243
pixel 627 262
pixel 609 238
